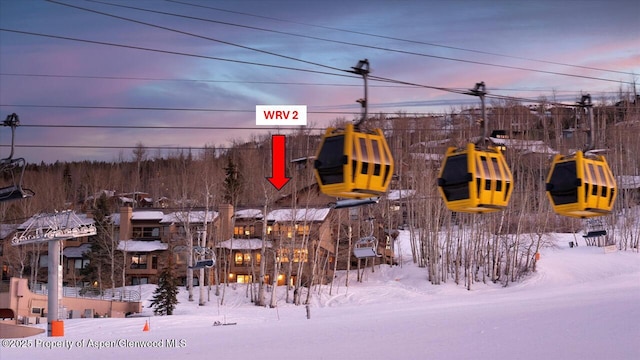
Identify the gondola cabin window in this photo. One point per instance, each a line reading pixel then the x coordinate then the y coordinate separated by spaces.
pixel 332 159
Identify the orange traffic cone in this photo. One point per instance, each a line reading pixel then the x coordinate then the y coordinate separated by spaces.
pixel 146 326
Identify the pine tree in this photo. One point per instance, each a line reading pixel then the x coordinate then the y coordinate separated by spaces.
pixel 102 254
pixel 165 297
pixel 232 182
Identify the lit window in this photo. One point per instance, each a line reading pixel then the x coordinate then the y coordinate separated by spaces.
pixel 139 261
pixel 146 232
pixel 245 258
pixel 283 255
pixel 303 229
pixel 300 255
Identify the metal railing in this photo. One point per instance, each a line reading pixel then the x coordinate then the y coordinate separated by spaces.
pixel 89 292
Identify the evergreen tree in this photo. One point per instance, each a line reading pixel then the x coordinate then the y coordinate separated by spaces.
pixel 232 182
pixel 101 257
pixel 165 297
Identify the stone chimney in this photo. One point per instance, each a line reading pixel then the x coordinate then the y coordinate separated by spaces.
pixel 226 219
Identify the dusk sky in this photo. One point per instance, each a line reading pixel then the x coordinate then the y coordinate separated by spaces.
pixel 82 75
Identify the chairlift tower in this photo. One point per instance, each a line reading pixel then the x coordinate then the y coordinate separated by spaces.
pixel 52 228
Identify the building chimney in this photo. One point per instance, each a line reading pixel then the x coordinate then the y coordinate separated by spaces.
pixel 126 230
pixel 226 214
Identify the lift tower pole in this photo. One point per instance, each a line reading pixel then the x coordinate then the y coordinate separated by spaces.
pixel 52 229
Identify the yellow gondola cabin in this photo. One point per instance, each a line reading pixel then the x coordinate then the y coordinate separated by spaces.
pixel 581 187
pixel 353 164
pixel 475 181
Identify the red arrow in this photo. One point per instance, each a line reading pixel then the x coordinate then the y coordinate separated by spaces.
pixel 278 178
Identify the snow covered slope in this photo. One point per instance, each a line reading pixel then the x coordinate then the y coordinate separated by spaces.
pixel 580 304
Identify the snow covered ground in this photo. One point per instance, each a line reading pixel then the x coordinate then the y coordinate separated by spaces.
pixel 580 304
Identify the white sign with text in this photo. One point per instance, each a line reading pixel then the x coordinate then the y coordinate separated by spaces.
pixel 281 115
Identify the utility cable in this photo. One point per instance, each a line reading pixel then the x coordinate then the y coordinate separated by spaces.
pixel 382 37
pixel 196 35
pixel 139 78
pixel 172 52
pixel 336 41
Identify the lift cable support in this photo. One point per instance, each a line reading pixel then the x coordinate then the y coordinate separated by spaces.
pixel 61 225
pixel 13 168
pixel 53 228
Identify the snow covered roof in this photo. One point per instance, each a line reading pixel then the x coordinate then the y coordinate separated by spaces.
pixel 282 215
pixel 107 193
pixel 192 217
pixel 431 143
pixel 400 194
pixel 147 215
pixel 141 246
pixel 243 244
pixel 248 214
pixel 126 200
pixel 76 251
pixel 526 146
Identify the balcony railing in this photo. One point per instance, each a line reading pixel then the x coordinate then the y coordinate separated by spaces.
pixel 92 293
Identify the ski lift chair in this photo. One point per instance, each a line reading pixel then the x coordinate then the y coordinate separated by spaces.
pixel 366 247
pixel 203 264
pixel 13 168
pixel 15 190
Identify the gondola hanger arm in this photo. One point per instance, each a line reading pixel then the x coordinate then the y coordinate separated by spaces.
pixel 12 121
pixel 480 91
pixel 585 104
pixel 362 68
